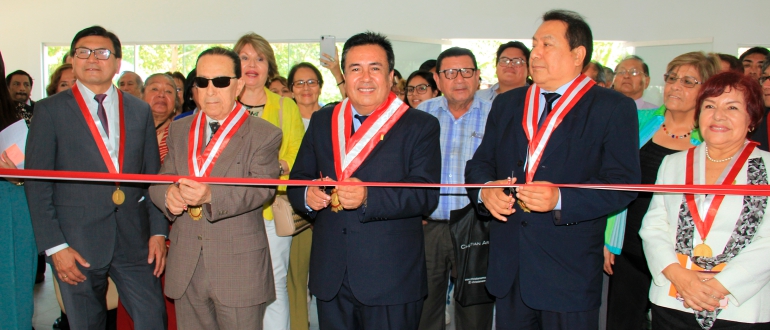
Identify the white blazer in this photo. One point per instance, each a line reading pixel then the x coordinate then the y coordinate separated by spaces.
pixel 746 276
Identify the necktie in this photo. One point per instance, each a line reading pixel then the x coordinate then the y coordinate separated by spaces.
pixel 361 120
pixel 549 99
pixel 101 113
pixel 214 128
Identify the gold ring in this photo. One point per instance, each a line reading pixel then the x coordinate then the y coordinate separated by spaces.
pixel 64 276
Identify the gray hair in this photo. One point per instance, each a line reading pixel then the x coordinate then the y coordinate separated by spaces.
pixel 170 81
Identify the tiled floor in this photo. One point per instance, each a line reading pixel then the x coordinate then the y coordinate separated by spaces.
pixel 46 308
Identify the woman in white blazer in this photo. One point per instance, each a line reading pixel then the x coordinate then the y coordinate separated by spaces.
pixel 710 255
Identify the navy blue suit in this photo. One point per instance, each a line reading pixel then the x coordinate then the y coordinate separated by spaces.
pixel 557 255
pixel 380 245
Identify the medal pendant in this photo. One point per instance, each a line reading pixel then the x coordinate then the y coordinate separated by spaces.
pixel 523 206
pixel 196 212
pixel 118 197
pixel 702 250
pixel 335 202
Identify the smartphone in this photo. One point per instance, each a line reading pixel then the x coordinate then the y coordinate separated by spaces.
pixel 328 46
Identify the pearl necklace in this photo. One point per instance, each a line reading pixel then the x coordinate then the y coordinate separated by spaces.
pixel 717 160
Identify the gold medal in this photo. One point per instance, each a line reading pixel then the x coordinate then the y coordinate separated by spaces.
pixel 523 206
pixel 702 250
pixel 118 197
pixel 196 212
pixel 335 202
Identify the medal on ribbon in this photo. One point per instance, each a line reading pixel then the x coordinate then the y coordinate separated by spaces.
pixel 118 196
pixel 538 138
pixel 351 151
pixel 200 163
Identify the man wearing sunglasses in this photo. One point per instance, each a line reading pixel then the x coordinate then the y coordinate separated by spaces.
pixel 462 115
pixel 219 271
pixel 90 230
pixel 367 268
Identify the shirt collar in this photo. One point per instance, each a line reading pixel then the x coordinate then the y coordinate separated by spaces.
pixel 475 105
pixel 561 90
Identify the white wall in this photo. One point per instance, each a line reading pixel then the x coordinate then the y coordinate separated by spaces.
pixel 26 25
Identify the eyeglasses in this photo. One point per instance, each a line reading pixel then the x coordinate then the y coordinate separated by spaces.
pixel 419 89
pixel 763 79
pixel 686 81
pixel 396 90
pixel 85 53
pixel 632 73
pixel 302 83
pixel 504 61
pixel 219 82
pixel 452 73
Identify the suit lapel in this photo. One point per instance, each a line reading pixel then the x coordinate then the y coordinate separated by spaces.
pixel 568 129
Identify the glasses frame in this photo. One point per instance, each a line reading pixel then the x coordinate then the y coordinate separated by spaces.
pixel 92 51
pixel 508 62
pixel 424 88
pixel 762 79
pixel 302 83
pixel 680 79
pixel 630 73
pixel 461 71
pixel 196 81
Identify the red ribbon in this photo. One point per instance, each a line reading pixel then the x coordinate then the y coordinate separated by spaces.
pixel 750 190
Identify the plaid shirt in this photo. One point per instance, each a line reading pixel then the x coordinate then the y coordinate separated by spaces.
pixel 459 140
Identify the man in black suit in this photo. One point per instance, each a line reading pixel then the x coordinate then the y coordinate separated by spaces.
pixel 545 264
pixel 367 268
pixel 91 229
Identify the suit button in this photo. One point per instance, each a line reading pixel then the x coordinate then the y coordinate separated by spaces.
pixel 200 237
pixel 116 209
pixel 524 223
pixel 344 231
pixel 520 163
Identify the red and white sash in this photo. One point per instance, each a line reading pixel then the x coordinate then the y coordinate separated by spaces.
pixel 98 136
pixel 351 151
pixel 201 164
pixel 538 139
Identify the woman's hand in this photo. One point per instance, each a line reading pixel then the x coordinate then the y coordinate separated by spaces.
pixel 6 163
pixel 692 287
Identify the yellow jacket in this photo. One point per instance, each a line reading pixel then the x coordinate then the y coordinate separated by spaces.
pixel 293 130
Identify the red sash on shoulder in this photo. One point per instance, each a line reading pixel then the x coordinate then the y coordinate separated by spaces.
pixel 201 164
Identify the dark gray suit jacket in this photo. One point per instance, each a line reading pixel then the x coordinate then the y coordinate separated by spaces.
pixel 82 214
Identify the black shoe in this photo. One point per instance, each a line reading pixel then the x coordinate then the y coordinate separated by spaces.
pixel 62 323
pixel 39 278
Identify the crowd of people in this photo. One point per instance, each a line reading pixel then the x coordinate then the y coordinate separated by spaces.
pixel 194 255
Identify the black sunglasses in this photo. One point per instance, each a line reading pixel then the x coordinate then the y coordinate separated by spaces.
pixel 219 82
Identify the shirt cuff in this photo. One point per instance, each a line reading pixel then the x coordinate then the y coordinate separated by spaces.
pixel 558 204
pixel 55 249
pixel 309 210
pixel 480 201
pixel 164 236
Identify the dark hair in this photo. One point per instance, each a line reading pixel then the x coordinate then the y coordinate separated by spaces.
pixel 427 65
pixel 722 82
pixel 578 31
pixel 189 84
pixel 765 65
pixel 53 83
pixel 305 65
pixel 754 50
pixel 177 75
pixel 279 79
pixel 455 52
pixel 735 63
pixel 18 73
pixel 99 32
pixel 224 52
pixel 8 112
pixel 512 44
pixel 369 38
pixel 428 76
pixel 600 76
pixel 645 68
pixel 397 74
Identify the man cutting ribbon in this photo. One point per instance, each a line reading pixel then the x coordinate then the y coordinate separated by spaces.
pixel 368 246
pixel 546 252
pixel 219 270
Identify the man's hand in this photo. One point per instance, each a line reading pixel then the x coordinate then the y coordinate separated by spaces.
pixel 174 202
pixel 351 197
pixel 157 254
pixel 692 288
pixel 609 260
pixel 496 201
pixel 316 198
pixel 64 263
pixel 194 193
pixel 538 199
